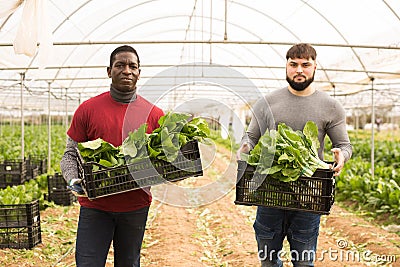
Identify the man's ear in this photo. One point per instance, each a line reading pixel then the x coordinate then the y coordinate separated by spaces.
pixel 109 72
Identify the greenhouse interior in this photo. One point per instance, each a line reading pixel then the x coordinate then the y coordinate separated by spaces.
pixel 212 59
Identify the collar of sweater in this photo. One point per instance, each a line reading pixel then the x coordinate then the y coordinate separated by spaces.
pixel 123 97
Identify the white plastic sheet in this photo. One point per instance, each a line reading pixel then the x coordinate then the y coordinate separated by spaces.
pixel 33 29
pixel 27 35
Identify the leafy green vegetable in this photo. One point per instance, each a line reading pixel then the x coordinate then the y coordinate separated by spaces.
pixel 175 130
pixel 24 193
pixel 101 152
pixel 286 154
pixel 134 147
pixel 93 145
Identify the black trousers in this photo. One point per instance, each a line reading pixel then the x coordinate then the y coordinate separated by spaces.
pixel 97 229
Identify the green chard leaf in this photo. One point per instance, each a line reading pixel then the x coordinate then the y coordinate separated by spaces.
pixel 164 142
pixel 286 154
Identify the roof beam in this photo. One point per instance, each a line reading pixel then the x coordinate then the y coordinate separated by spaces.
pixel 157 42
pixel 196 65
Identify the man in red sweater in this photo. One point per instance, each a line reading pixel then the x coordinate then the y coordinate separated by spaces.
pixel 119 218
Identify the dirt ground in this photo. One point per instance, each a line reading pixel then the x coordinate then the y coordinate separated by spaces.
pixel 221 234
pixel 197 224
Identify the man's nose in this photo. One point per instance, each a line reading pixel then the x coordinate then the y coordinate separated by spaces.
pixel 126 69
pixel 299 68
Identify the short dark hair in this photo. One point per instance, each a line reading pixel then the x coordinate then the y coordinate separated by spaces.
pixel 301 50
pixel 123 48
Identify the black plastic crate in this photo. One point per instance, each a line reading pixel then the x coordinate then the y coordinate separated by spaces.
pixel 12 172
pixel 56 182
pixel 62 197
pixel 110 181
pixel 39 162
pixel 20 225
pixel 31 172
pixel 57 190
pixel 314 194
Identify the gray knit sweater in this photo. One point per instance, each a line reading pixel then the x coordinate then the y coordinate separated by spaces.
pixel 283 106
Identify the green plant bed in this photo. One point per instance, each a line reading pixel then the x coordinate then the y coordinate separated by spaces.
pixel 35 143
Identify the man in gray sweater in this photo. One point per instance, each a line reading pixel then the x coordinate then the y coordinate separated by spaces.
pixel 295 105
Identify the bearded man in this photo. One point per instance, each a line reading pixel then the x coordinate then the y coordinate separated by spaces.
pixel 294 105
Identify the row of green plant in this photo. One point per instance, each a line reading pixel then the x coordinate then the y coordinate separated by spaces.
pixel 378 194
pixel 34 189
pixel 35 143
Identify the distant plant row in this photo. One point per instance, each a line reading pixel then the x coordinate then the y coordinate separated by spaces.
pixel 35 142
pixel 377 194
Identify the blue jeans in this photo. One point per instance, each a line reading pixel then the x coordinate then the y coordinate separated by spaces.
pixel 301 229
pixel 96 230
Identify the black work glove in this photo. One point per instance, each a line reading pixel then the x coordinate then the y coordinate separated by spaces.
pixel 75 185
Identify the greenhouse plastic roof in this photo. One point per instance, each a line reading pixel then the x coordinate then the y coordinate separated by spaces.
pixel 196 49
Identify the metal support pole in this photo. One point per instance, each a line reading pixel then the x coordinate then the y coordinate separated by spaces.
pixel 357 122
pixel 211 29
pixel 226 21
pixel 66 108
pixel 48 130
pixel 372 129
pixel 22 117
